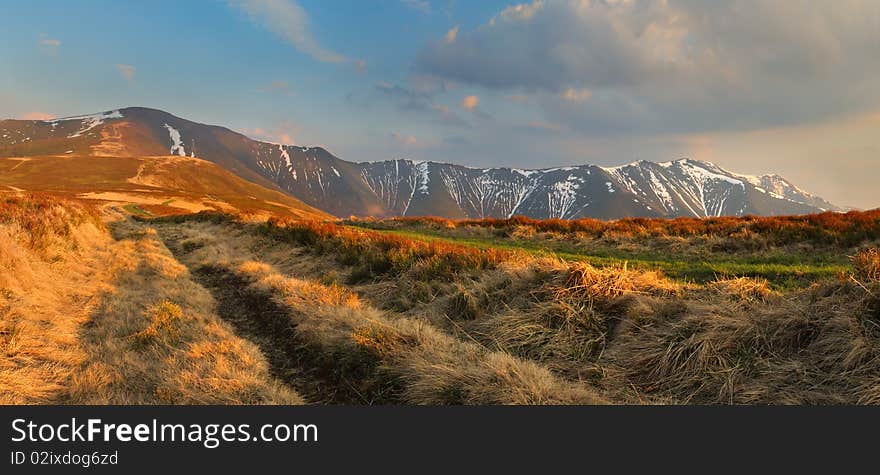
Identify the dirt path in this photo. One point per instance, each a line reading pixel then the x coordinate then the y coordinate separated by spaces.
pixel 156 338
pixel 261 321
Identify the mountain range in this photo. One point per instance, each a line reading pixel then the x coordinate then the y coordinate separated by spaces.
pixel 318 179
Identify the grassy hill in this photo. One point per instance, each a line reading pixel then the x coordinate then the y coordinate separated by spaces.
pixel 154 185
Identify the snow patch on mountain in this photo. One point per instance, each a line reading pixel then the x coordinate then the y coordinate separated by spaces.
pixel 89 122
pixel 423 176
pixel 177 147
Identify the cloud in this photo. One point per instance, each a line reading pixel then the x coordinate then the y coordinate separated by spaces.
pixel 673 66
pixel 406 100
pixel 49 45
pixel 403 139
pixel 544 126
pixel 421 5
pixel 577 95
pixel 470 103
pixel 37 116
pixel 451 35
pixel 283 133
pixel 288 20
pixel 518 98
pixel 127 71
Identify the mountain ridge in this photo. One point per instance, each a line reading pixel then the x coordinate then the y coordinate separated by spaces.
pixel 403 187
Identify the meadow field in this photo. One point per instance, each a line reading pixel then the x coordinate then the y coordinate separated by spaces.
pixel 112 306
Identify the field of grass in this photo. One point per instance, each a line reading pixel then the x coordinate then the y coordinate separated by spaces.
pixel 782 269
pixel 626 335
pixel 100 307
pixel 789 252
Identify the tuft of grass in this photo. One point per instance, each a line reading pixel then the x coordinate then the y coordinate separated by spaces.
pixel 867 264
pixel 748 289
pixel 42 219
pixel 463 305
pixel 163 320
pixel 586 281
pixel 136 210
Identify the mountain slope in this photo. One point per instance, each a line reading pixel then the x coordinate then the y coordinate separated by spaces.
pixel 156 185
pixel 410 188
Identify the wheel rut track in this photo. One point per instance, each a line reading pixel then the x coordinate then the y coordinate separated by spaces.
pixel 263 322
pixel 259 319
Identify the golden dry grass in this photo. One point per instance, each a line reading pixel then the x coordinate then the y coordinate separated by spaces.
pixel 156 339
pixel 427 366
pixel 631 336
pixel 867 264
pixel 88 319
pixel 392 358
pixel 126 321
pixel 51 272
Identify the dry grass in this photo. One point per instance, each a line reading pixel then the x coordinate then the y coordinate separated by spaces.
pixel 745 289
pixel 55 257
pixel 587 282
pixel 156 339
pixel 421 364
pixel 636 336
pixel 384 356
pixel 88 319
pixel 485 329
pixel 378 254
pixel 867 264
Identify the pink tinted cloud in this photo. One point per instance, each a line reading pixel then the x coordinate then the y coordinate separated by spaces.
pixel 35 115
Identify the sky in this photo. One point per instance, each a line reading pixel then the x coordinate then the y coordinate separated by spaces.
pixel 756 86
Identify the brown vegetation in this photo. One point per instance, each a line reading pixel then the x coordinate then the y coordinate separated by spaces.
pixel 383 254
pixel 842 229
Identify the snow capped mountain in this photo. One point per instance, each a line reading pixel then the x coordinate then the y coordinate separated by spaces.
pixel 411 188
pixel 680 188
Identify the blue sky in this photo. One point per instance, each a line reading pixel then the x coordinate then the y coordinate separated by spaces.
pixel 756 86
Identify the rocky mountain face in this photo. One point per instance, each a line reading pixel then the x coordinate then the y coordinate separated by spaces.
pixel 410 188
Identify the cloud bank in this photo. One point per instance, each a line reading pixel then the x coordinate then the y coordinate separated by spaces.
pixel 673 66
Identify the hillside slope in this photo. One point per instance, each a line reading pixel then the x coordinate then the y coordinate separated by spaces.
pixel 152 185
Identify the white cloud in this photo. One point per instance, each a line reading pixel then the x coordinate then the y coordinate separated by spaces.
pixel 421 5
pixel 49 45
pixel 127 71
pixel 287 19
